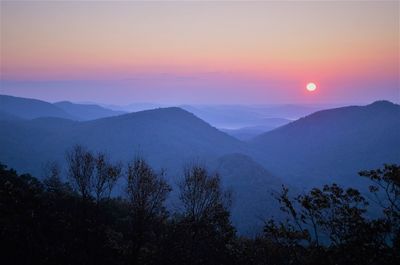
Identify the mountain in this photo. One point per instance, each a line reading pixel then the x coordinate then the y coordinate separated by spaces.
pixel 86 111
pixel 329 145
pixel 168 138
pixel 324 147
pixel 30 108
pixel 27 108
pixel 332 145
pixel 7 116
pixel 252 186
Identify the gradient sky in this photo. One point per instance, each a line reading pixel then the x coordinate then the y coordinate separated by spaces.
pixel 201 52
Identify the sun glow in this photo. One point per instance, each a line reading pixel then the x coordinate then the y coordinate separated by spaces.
pixel 311 87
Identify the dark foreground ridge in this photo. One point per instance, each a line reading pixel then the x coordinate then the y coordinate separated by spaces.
pixel 79 222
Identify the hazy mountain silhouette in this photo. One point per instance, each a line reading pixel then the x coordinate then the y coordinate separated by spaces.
pixel 323 146
pixel 27 108
pixel 252 187
pixel 239 116
pixel 249 132
pixel 327 146
pixel 166 137
pixel 333 143
pixel 86 111
pixel 7 116
pixel 30 108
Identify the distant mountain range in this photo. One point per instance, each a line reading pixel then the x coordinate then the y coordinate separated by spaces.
pixel 250 132
pixel 326 146
pixel 166 137
pixel 32 108
pixel 86 112
pixel 235 117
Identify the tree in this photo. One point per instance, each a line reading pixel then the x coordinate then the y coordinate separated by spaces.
pixel 386 190
pixel 206 227
pixel 331 211
pixel 147 192
pixel 51 170
pixel 340 231
pixel 201 195
pixel 105 177
pixel 52 179
pixel 81 164
pixel 93 176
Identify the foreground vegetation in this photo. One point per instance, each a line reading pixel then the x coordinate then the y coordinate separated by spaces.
pixel 79 222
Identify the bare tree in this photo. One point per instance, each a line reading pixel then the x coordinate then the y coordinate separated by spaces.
pixel 206 216
pixel 201 194
pixel 146 189
pixel 92 175
pixel 105 177
pixel 147 192
pixel 81 164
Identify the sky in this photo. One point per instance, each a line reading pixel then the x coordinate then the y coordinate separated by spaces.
pixel 209 52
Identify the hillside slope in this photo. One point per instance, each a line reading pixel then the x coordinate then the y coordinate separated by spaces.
pixel 30 108
pixel 252 186
pixel 167 137
pixel 332 145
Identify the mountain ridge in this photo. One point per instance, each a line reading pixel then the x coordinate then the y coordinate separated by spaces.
pixel 85 112
pixel 326 146
pixel 30 108
pixel 333 142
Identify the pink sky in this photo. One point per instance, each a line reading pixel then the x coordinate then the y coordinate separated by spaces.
pixel 201 52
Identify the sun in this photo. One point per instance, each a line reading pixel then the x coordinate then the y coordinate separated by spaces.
pixel 311 87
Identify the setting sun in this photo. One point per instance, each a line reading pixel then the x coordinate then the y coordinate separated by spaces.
pixel 311 87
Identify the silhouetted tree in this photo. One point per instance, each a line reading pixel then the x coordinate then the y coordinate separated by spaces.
pixel 92 176
pixel 105 177
pixel 51 170
pixel 48 222
pixel 147 192
pixel 80 165
pixel 51 176
pixel 206 225
pixel 336 217
pixel 386 190
pixel 201 194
